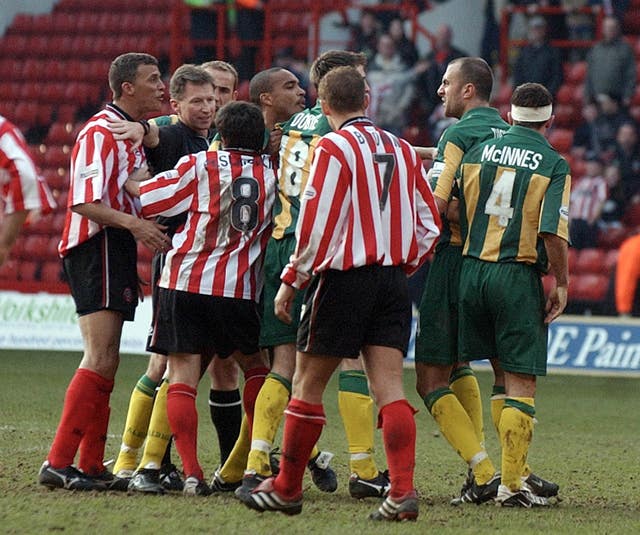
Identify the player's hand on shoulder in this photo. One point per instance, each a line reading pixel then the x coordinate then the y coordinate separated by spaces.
pixel 275 136
pixel 126 130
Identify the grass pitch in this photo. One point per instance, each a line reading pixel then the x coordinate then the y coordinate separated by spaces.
pixel 587 439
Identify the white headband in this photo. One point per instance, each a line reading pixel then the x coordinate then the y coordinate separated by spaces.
pixel 530 115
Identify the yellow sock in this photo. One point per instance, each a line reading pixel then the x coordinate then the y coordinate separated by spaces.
pixel 516 432
pixel 497 403
pixel 456 426
pixel 135 428
pixel 159 431
pixel 233 468
pixel 356 410
pixel 465 386
pixel 270 404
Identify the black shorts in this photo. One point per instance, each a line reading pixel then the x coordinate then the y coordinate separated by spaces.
pixel 344 311
pixel 103 274
pixel 157 264
pixel 187 322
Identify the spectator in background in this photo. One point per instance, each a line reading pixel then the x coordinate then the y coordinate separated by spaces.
pixel 579 25
pixel 614 206
pixel 538 61
pixel 22 190
pixel 627 290
pixel 364 35
pixel 586 137
pixel 627 157
pixel 405 47
pixel 588 196
pixel 441 54
pixel 611 66
pixel 392 86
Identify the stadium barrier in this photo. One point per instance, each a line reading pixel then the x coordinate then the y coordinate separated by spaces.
pixel 47 322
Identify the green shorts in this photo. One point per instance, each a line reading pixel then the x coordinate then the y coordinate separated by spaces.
pixel 502 315
pixel 437 338
pixel 274 332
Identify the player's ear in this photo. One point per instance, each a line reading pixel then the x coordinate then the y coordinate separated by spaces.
pixel 175 105
pixel 548 124
pixel 325 108
pixel 367 100
pixel 509 118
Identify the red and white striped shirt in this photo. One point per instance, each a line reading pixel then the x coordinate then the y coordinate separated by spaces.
pixel 228 196
pixel 588 196
pixel 367 202
pixel 21 187
pixel 100 166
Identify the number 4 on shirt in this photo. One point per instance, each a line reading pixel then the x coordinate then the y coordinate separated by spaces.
pixel 499 201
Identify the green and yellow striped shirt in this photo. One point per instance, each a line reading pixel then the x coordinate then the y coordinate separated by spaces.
pixel 513 189
pixel 475 126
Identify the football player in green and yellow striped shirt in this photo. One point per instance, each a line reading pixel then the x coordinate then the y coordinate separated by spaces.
pixel 514 206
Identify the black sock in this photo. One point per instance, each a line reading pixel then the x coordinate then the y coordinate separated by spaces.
pixel 226 416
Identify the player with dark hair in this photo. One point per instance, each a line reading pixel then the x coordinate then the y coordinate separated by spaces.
pixel 211 282
pixel 300 135
pixel 449 387
pixel 367 218
pixel 99 253
pixel 514 208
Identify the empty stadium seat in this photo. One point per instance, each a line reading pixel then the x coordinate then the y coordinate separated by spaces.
pixel 575 73
pixel 51 271
pixel 632 215
pixel 57 156
pixel 590 261
pixel 561 139
pixel 588 287
pixel 572 255
pixel 28 270
pixel 611 259
pixel 611 238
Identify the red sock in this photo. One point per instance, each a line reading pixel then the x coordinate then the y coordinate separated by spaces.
pixel 92 444
pixel 302 428
pixel 80 401
pixel 253 381
pixel 399 437
pixel 183 419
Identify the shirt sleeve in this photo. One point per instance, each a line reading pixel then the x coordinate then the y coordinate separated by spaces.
pixel 323 210
pixel 445 167
pixel 554 214
pixel 428 223
pixel 172 192
pixel 92 162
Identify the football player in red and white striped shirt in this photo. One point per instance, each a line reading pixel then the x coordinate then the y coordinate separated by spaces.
pixel 212 279
pixel 367 219
pixel 21 188
pixel 99 256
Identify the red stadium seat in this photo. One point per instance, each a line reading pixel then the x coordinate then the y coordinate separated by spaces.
pixel 632 215
pixel 588 287
pixel 590 261
pixel 611 238
pixel 573 259
pixel 28 271
pixel 575 73
pixel 611 259
pixel 35 246
pixel 60 134
pixel 504 95
pixel 567 116
pixel 51 271
pixel 570 94
pixel 9 270
pixel 57 156
pixel 561 139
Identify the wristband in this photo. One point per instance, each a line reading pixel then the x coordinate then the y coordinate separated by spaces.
pixel 145 126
